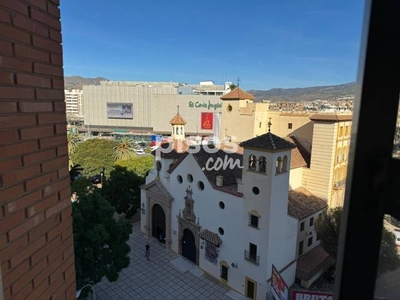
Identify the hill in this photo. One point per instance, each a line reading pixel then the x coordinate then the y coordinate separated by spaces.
pixel 76 82
pixel 329 92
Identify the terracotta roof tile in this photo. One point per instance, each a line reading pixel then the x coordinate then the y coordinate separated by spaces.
pixel 268 141
pixel 313 261
pixel 238 94
pixel 177 120
pixel 303 203
pixel 331 117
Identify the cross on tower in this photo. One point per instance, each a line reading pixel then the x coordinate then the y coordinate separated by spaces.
pixel 238 82
pixel 269 124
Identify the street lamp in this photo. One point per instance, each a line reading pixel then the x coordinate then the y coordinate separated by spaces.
pixel 78 293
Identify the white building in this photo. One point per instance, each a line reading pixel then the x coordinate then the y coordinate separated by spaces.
pixel 73 102
pixel 233 221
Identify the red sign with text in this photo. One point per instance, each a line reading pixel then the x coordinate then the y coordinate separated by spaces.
pixel 307 295
pixel 207 120
pixel 279 288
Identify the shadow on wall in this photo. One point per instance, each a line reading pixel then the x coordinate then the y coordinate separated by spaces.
pixel 304 135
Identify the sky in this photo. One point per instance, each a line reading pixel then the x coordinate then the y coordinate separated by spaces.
pixel 267 44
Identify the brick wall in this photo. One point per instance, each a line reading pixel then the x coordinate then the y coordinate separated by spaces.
pixel 36 242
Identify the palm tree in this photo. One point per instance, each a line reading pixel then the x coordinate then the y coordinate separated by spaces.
pixel 124 149
pixel 73 140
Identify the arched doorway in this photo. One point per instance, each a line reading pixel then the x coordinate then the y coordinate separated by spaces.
pixel 189 245
pixel 158 226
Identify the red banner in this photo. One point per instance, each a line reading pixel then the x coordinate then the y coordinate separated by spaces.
pixel 279 288
pixel 207 120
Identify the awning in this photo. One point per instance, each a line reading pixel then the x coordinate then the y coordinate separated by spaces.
pixel 211 237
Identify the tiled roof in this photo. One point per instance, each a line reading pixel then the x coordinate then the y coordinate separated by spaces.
pixel 268 141
pixel 312 262
pixel 331 117
pixel 177 149
pixel 210 237
pixel 303 203
pixel 238 94
pixel 177 120
pixel 299 154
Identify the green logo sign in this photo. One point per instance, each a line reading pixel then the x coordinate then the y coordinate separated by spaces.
pixel 206 105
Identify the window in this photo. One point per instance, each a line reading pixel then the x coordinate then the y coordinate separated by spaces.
pixel 301 226
pixel 221 204
pixel 311 221
pixel 301 246
pixel 259 125
pixel 262 164
pixel 229 108
pixel 278 165
pixel 221 231
pixel 347 130
pixel 253 251
pixel 224 272
pixel 179 178
pixel 289 125
pixel 310 241
pixel 253 221
pixel 256 190
pixel 252 162
pixel 190 177
pixel 341 131
pixel 200 185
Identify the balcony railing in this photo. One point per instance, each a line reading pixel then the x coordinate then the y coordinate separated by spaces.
pixel 255 259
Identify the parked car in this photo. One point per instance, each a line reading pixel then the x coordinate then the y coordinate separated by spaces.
pixel 140 152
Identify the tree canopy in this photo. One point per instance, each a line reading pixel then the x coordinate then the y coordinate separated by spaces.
pixel 139 164
pixel 124 149
pixel 100 241
pixel 93 155
pixel 328 229
pixel 122 190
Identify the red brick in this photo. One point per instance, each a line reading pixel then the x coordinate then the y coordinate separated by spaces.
pixel 10 164
pixel 28 107
pixel 7 92
pixel 47 44
pixel 53 141
pixel 47 69
pixel 20 174
pixel 17 121
pixel 54 188
pixel 6 78
pixel 62 150
pixel 49 94
pixel 15 149
pixel 32 53
pixel 54 164
pixel 27 251
pixel 53 10
pixel 14 34
pixel 65 193
pixel 44 227
pixel 10 222
pixel 58 84
pixel 60 106
pixel 37 132
pixel 15 273
pixel 30 25
pixel 39 292
pixel 23 228
pixel 5 16
pixel 57 208
pixel 7 252
pixel 8 107
pixel 46 19
pixel 55 35
pixel 17 6
pixel 6 47
pixel 22 287
pixel 12 192
pixel 38 156
pixel 60 128
pixel 52 118
pixel 57 2
pixel 45 250
pixel 40 181
pixel 24 201
pixel 38 3
pixel 16 64
pixel 9 136
pixel 57 60
pixel 41 206
pixel 23 79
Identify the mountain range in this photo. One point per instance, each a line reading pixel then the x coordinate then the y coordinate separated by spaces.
pixel 329 92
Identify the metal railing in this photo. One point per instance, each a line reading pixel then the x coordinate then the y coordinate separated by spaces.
pixel 255 259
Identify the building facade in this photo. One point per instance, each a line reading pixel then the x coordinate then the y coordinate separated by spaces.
pixel 73 102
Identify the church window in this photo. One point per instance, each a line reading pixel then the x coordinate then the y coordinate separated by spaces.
pixel 262 164
pixel 200 185
pixel 229 108
pixel 252 162
pixel 221 204
pixel 190 177
pixel 221 231
pixel 279 165
pixel 179 178
pixel 256 190
pixel 285 164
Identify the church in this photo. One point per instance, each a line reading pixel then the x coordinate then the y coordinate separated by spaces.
pixel 235 210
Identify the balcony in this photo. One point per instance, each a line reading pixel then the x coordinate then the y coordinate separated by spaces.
pixel 251 257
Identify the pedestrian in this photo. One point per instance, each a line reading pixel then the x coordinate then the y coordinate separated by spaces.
pixel 147 255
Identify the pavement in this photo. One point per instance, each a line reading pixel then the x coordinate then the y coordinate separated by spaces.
pixel 165 276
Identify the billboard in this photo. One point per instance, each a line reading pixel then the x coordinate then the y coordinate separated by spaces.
pixel 119 110
pixel 207 120
pixel 308 295
pixel 279 288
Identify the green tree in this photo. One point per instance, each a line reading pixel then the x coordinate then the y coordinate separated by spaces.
pixel 100 241
pixel 124 149
pixel 122 190
pixel 328 229
pixel 232 86
pixel 73 140
pixel 140 165
pixel 93 155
